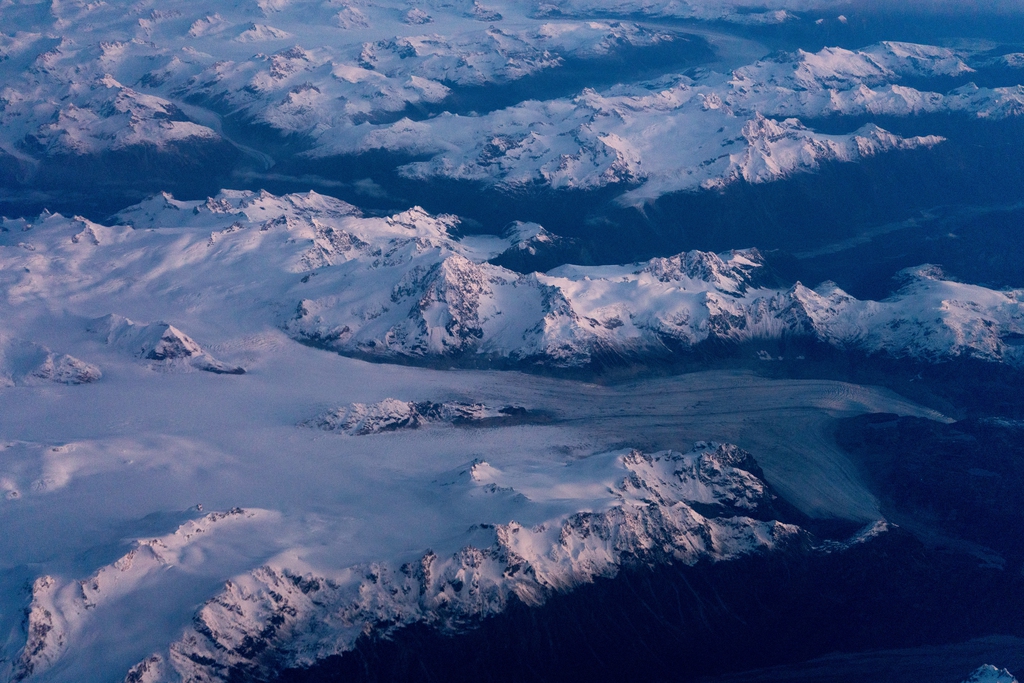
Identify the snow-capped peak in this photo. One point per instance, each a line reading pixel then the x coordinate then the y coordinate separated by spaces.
pixel 991 674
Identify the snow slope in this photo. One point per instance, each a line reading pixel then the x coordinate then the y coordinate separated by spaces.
pixel 340 78
pixel 193 509
pixel 83 78
pixel 679 134
pixel 991 674
pixel 403 288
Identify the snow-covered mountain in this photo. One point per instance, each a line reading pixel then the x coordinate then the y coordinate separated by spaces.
pixel 403 288
pixel 667 141
pixel 80 80
pixel 23 362
pixel 279 616
pixel 678 134
pixel 317 537
pixel 158 342
pixel 991 674
pixel 202 480
pixel 309 538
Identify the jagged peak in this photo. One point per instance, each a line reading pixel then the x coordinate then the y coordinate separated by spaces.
pixel 991 674
pixel 159 342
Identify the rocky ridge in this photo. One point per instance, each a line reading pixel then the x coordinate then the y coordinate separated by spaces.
pixel 360 419
pixel 406 288
pixel 279 616
pixel 84 81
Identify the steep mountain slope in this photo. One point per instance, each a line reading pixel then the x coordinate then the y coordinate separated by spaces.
pixel 280 616
pixel 680 134
pixel 166 87
pixel 403 288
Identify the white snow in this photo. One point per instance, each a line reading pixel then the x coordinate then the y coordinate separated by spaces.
pixel 402 287
pixel 991 674
pixel 154 515
pixel 676 134
pixel 90 78
pixel 101 481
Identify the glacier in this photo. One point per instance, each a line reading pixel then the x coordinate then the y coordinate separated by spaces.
pixel 248 433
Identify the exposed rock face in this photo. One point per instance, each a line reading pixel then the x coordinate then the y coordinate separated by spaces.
pixel 359 419
pixel 45 631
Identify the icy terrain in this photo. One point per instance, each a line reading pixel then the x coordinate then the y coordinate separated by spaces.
pixel 238 433
pixel 307 512
pixel 214 525
pixel 991 674
pixel 307 80
pixel 404 288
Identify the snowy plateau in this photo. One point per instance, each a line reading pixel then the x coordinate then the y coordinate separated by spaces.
pixel 246 432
